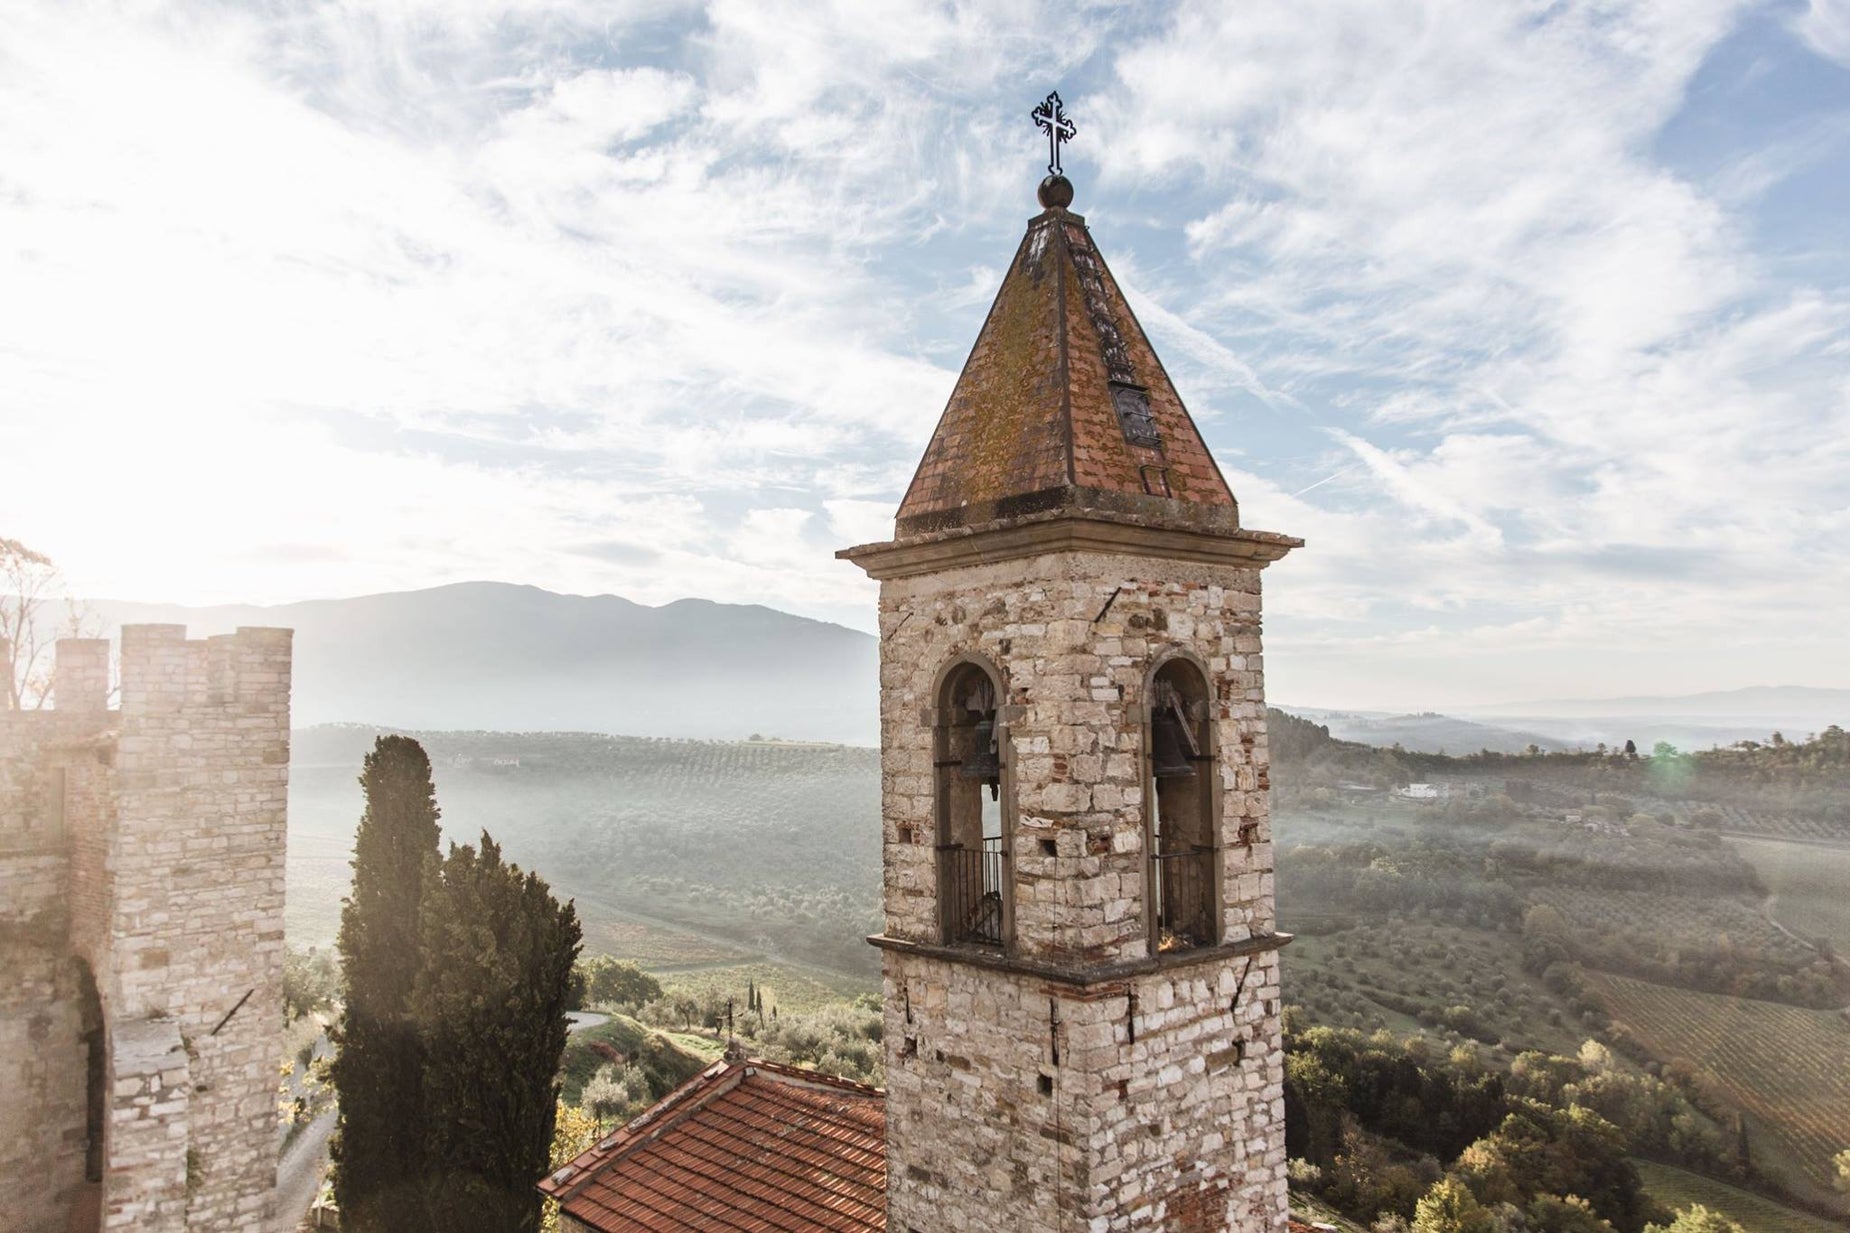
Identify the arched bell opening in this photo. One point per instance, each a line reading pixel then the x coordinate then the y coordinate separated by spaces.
pixel 1184 883
pixel 975 891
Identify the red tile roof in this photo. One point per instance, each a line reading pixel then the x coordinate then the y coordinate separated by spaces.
pixel 744 1145
pixel 1035 410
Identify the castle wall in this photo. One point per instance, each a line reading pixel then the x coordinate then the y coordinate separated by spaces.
pixel 196 922
pixel 1076 683
pixel 42 1085
pixel 146 845
pixel 43 1053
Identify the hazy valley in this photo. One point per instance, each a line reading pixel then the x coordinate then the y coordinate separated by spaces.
pixel 1687 917
pixel 1685 910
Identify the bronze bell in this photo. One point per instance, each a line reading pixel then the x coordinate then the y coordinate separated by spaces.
pixel 1168 752
pixel 983 763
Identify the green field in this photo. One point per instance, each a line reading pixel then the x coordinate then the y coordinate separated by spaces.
pixel 318 877
pixel 1680 1189
pixel 1808 882
pixel 788 988
pixel 677 852
pixel 1787 1069
pixel 1368 978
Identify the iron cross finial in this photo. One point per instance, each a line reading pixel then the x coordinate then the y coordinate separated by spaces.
pixel 1050 118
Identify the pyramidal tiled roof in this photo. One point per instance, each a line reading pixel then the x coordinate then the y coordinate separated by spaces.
pixel 1062 395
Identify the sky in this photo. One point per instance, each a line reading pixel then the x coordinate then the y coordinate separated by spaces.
pixel 1532 318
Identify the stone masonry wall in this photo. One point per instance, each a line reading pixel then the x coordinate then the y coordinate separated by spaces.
pixel 42 1086
pixel 1019 1104
pixel 147 846
pixel 1181 1127
pixel 43 1054
pixel 150 1097
pixel 196 920
pixel 1075 682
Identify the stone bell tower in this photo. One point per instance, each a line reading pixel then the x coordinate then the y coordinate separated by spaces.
pixel 1080 953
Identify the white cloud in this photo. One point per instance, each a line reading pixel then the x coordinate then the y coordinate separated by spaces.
pixel 663 299
pixel 1825 27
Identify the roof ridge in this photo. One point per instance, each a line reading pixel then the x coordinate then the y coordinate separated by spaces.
pixel 1066 361
pixel 815 1077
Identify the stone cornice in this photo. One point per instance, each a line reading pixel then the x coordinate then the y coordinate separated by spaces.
pixel 1082 977
pixel 1068 530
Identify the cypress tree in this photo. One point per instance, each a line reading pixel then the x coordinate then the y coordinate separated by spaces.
pixel 379 1144
pixel 498 951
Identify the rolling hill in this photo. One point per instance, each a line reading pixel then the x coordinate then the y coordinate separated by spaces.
pixel 487 655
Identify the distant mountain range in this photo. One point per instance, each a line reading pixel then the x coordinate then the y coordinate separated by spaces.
pixel 1688 721
pixel 1428 732
pixel 494 656
pixel 1693 721
pixel 1768 701
pixel 488 655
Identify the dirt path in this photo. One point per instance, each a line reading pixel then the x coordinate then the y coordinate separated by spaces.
pixel 298 1173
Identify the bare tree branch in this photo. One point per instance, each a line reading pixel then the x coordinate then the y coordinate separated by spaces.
pixel 29 584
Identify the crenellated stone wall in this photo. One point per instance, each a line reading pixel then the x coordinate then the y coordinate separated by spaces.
pixel 156 834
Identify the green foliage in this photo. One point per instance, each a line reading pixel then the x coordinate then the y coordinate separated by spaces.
pixel 1572 1214
pixel 1679 1189
pixel 1540 1150
pixel 573 1133
pixel 1370 1178
pixel 456 973
pixel 1781 1066
pixel 1367 1117
pixel 1449 1207
pixel 614 982
pixel 836 1037
pixel 311 982
pixel 378 1074
pixel 490 995
pixel 616 1093
pixel 664 1064
pixel 1715 944
pixel 1429 1106
pixel 1697 1219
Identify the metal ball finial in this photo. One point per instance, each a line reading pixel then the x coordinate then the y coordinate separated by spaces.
pixel 1055 193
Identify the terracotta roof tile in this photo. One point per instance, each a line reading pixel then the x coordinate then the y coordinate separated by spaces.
pixel 743 1146
pixel 1036 409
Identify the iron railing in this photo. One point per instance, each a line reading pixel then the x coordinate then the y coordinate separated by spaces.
pixel 971 886
pixel 1185 890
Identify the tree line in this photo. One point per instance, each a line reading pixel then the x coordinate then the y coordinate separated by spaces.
pixel 1402 1135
